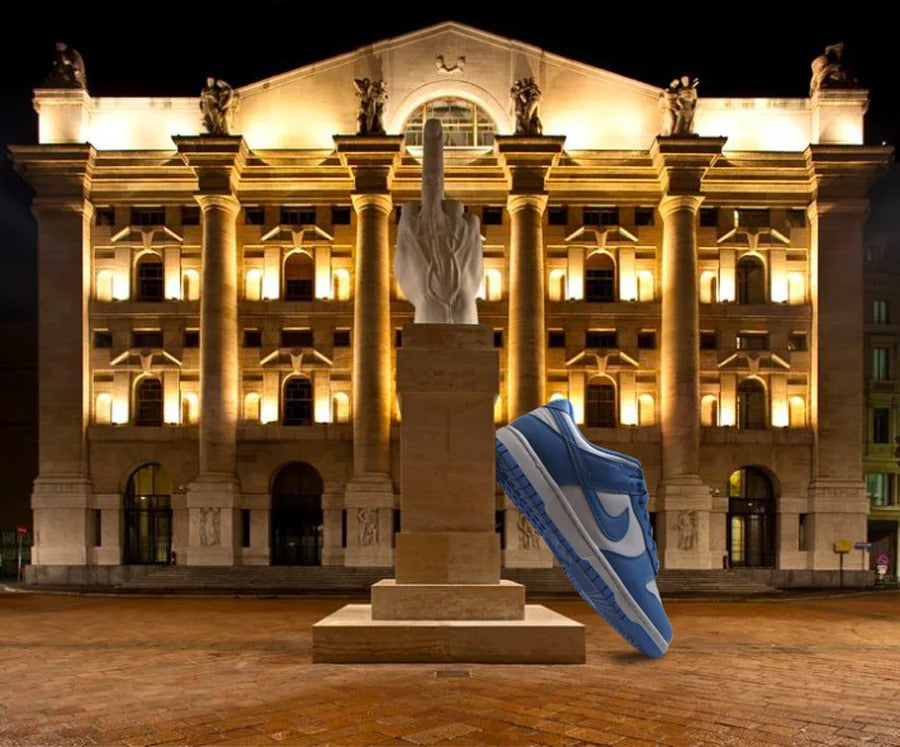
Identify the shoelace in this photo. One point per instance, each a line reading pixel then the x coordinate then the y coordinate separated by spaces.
pixel 642 499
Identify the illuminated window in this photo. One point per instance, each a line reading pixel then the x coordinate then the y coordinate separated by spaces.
pixel 251 406
pixel 341 284
pixel 298 401
pixel 556 285
pixel 253 285
pixel 104 286
pixel 646 410
pixel 880 488
pixel 340 407
pixel 103 409
pixel 797 412
pixel 645 285
pixel 466 125
pixel 149 405
pixel 709 410
pixel 880 311
pixel 190 285
pixel 880 367
pixel 190 409
pixel 600 404
pixel 708 283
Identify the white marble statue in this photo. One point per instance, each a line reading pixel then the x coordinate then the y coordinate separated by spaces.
pixel 438 262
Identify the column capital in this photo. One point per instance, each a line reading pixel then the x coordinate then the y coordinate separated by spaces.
pixel 225 202
pixel 670 203
pixel 370 159
pixel 381 201
pixel 527 161
pixel 682 162
pixel 845 172
pixel 517 202
pixel 216 160
pixel 62 172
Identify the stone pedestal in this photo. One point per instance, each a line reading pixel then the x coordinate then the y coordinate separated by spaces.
pixel 447 602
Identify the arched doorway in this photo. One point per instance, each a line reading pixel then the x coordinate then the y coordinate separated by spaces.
pixel 297 515
pixel 148 516
pixel 751 519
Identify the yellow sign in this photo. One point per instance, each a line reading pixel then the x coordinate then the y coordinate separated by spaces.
pixel 843 546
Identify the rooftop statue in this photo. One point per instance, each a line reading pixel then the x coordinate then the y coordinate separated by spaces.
pixel 678 103
pixel 829 71
pixel 218 102
pixel 438 262
pixel 371 94
pixel 526 96
pixel 67 70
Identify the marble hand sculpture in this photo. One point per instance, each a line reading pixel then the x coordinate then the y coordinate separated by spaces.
pixel 438 262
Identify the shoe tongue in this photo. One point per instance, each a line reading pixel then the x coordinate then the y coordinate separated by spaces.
pixel 563 405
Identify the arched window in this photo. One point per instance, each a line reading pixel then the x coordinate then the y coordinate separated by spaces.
pixel 340 407
pixel 751 404
pixel 148 516
pixel 708 283
pixel 299 273
pixel 466 125
pixel 709 410
pixel 103 288
pixel 190 409
pixel 797 412
pixel 645 286
pixel 149 278
pixel 751 280
pixel 298 401
pixel 600 404
pixel 103 409
pixel 646 410
pixel 599 278
pixel 253 285
pixel 251 406
pixel 341 284
pixel 556 285
pixel 190 285
pixel 149 402
pixel 751 518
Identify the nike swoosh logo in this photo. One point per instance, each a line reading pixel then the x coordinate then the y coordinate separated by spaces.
pixel 613 527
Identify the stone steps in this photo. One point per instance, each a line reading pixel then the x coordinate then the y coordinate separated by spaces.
pixel 342 579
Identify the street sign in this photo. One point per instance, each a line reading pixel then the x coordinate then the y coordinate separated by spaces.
pixel 861 545
pixel 843 546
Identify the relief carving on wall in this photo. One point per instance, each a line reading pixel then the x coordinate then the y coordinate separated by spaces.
pixel 367 526
pixel 687 529
pixel 210 527
pixel 529 539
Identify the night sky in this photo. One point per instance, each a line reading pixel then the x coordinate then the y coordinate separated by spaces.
pixel 167 49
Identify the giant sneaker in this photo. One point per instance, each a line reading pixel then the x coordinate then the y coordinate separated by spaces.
pixel 590 506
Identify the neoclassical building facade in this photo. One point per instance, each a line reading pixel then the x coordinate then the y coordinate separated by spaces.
pixel 219 317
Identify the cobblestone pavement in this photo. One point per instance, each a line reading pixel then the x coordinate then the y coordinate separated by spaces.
pixel 140 671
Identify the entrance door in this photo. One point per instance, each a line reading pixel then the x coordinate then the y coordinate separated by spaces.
pixel 148 517
pixel 297 516
pixel 751 519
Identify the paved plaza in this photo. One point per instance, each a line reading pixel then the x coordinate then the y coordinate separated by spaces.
pixel 140 671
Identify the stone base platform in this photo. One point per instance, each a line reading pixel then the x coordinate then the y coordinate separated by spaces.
pixel 350 635
pixel 393 601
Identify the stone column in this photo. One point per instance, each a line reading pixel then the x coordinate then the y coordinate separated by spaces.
pixel 841 177
pixel 683 502
pixel 214 498
pixel 61 178
pixel 369 496
pixel 527 162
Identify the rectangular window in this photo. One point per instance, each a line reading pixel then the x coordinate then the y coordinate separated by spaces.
pixel 500 527
pixel 396 527
pixel 880 311
pixel 498 338
pixel 343 527
pixel 752 341
pixel 880 368
pixel 342 338
pixel 753 218
pixel 558 215
pixel 150 280
pixel 803 535
pixel 147 338
pixel 191 338
pixel 492 216
pixel 190 215
pixel 601 216
pixel 646 340
pixel 598 339
pixel 340 215
pixel 556 338
pixel 97 521
pixel 709 217
pixel 398 338
pixel 797 218
pixel 881 425
pixel 245 527
pixel 798 341
pixel 253 338
pixel 254 215
pixel 105 216
pixel 708 341
pixel 643 216
pixel 296 338
pixel 298 215
pixel 102 338
pixel 148 216
pixel 599 285
pixel 880 488
pixel 600 406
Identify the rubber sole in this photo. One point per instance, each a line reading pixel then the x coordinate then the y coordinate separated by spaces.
pixel 584 577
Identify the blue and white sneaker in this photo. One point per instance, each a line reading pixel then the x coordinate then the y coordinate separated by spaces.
pixel 590 506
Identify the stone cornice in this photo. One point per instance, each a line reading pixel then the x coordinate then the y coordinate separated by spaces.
pixel 216 160
pixel 682 162
pixel 56 171
pixel 845 171
pixel 370 160
pixel 528 161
